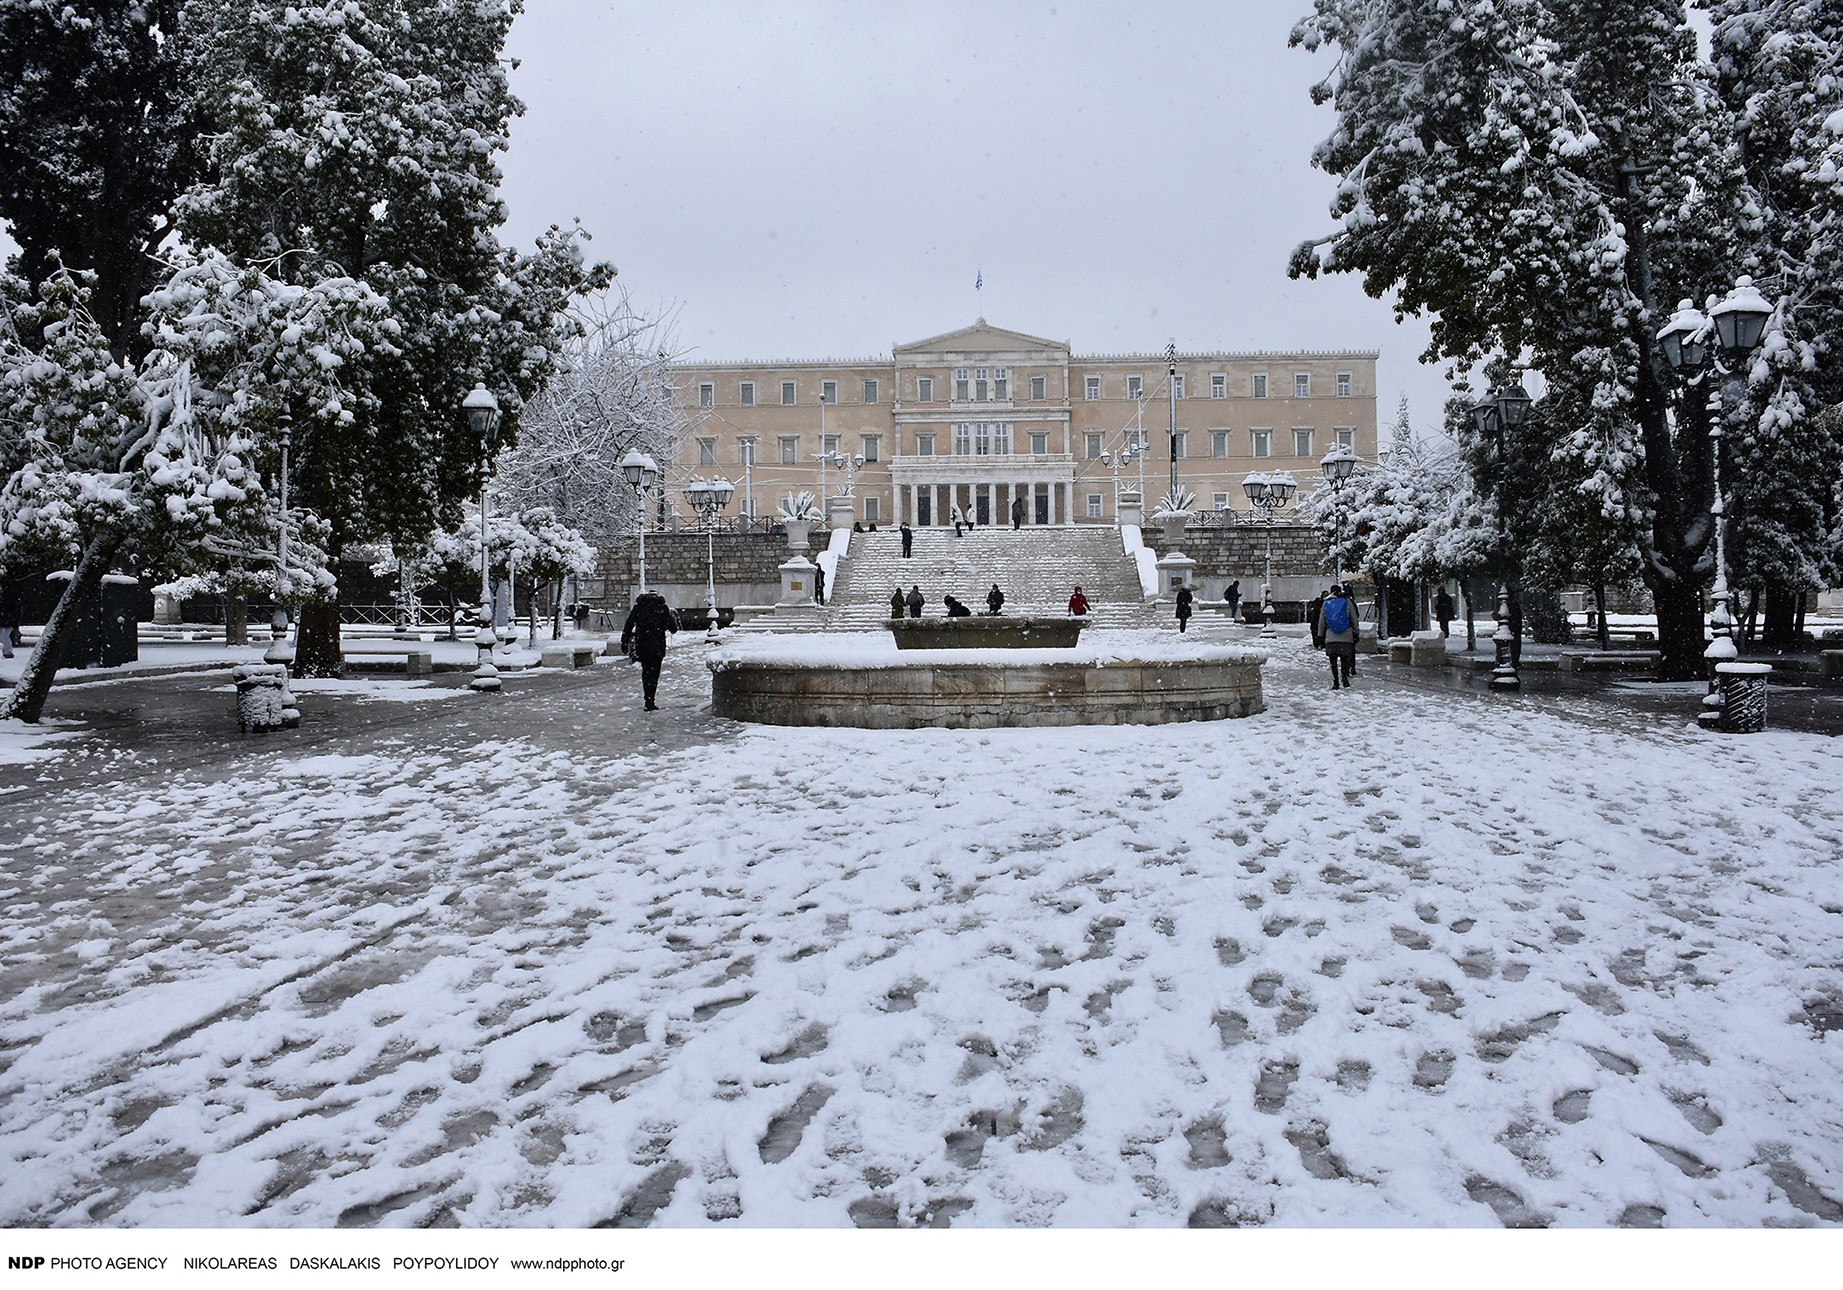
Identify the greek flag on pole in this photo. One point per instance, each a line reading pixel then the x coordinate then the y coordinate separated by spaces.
pixel 979 281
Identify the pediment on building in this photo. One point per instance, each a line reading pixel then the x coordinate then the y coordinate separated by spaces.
pixel 981 338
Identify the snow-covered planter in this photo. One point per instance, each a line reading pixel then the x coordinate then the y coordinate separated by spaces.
pixel 1174 511
pixel 798 512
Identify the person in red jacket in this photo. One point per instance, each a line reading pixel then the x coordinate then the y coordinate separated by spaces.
pixel 1078 604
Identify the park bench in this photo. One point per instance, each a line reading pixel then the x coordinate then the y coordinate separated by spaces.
pixel 568 654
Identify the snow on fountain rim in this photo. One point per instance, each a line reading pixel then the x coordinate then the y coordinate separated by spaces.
pixel 858 651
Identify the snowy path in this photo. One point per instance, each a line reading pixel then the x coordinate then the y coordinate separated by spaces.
pixel 1338 964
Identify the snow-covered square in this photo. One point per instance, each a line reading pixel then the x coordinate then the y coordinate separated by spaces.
pixel 1374 957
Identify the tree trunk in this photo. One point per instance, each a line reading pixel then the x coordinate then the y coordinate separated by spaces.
pixel 236 621
pixel 1599 604
pixel 1781 616
pixel 316 642
pixel 27 701
pixel 1471 631
pixel 1753 614
pixel 1681 634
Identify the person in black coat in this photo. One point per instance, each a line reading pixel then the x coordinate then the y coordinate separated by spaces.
pixel 955 609
pixel 1183 608
pixel 915 602
pixel 1233 596
pixel 908 540
pixel 994 599
pixel 643 636
pixel 898 603
pixel 819 583
pixel 1443 611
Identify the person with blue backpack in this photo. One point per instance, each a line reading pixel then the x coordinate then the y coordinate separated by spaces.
pixel 1337 627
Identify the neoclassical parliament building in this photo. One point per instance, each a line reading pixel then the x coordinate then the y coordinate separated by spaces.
pixel 980 417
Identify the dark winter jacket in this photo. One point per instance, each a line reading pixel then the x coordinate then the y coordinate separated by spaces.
pixel 1183 602
pixel 995 599
pixel 898 603
pixel 648 623
pixel 915 602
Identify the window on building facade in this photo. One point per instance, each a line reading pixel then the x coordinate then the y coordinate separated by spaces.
pixel 707 395
pixel 1219 501
pixel 1177 384
pixel 1039 443
pixel 924 389
pixel 1346 437
pixel 746 447
pixel 828 443
pixel 1302 443
pixel 1260 385
pixel 1135 387
pixel 1263 443
pixel 1219 443
pixel 873 510
pixel 1178 442
pixel 828 392
pixel 1135 439
pixel 1343 385
pixel 1091 388
pixel 787 394
pixel 1037 386
pixel 963 438
pixel 747 398
pixel 924 445
pixel 962 384
pixel 1219 385
pixel 870 391
pixel 790 450
pixel 872 452
pixel 1001 384
pixel 707 453
pixel 1302 385
pixel 1093 450
pixel 1094 506
pixel 979 384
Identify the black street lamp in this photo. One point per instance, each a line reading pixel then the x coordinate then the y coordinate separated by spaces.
pixel 483 418
pixel 1499 412
pixel 1737 323
pixel 707 498
pixel 1269 492
pixel 641 473
pixel 1339 464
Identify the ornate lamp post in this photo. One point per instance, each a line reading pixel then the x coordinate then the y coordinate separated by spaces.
pixel 1171 385
pixel 707 498
pixel 280 651
pixel 1338 465
pixel 641 473
pixel 1497 413
pixel 1269 491
pixel 1737 323
pixel 1125 457
pixel 483 418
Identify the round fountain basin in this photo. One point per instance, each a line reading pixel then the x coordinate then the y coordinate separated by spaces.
pixel 986 631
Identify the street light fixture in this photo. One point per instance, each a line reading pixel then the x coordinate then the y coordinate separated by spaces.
pixel 1737 322
pixel 1499 412
pixel 1125 457
pixel 707 498
pixel 483 418
pixel 641 473
pixel 1339 464
pixel 1269 491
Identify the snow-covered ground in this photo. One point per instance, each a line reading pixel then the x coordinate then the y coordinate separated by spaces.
pixel 1375 957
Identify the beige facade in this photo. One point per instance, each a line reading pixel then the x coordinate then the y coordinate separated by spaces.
pixel 980 417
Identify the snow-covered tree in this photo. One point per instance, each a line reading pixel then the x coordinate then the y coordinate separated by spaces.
pixel 1547 180
pixel 356 139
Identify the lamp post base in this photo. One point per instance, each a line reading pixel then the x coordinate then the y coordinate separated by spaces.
pixel 486 675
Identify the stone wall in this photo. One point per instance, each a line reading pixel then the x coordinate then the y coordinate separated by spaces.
pixel 1238 552
pixel 747 568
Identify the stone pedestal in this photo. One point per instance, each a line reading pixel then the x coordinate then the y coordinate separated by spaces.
pixel 166 610
pixel 1743 697
pixel 1130 508
pixel 1427 649
pixel 1175 569
pixel 263 700
pixel 797 581
pixel 841 511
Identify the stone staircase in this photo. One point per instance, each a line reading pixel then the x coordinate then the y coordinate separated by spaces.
pixel 1037 567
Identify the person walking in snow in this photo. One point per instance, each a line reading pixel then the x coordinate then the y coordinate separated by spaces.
pixel 1443 611
pixel 1312 607
pixel 1017 514
pixel 1336 625
pixel 915 602
pixel 994 599
pixel 643 636
pixel 1078 603
pixel 1183 608
pixel 819 584
pixel 897 603
pixel 908 540
pixel 1233 596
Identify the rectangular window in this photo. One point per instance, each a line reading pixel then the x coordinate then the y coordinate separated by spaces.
pixel 707 396
pixel 1093 450
pixel 962 386
pixel 790 450
pixel 1094 506
pixel 924 389
pixel 979 384
pixel 707 454
pixel 871 443
pixel 1260 385
pixel 963 439
pixel 1263 443
pixel 747 448
pixel 1177 384
pixel 1091 388
pixel 924 445
pixel 1346 437
pixel 1001 386
pixel 1219 501
pixel 1219 444
pixel 870 391
pixel 1039 443
pixel 873 510
pixel 748 394
pixel 1343 385
pixel 1218 385
pixel 1001 438
pixel 1178 442
pixel 1302 385
pixel 787 394
pixel 1135 387
pixel 828 443
pixel 828 392
pixel 1302 443
pixel 1036 389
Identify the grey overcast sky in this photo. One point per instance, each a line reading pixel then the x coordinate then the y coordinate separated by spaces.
pixel 804 179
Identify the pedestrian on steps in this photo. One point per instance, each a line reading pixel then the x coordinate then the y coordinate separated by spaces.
pixel 819 584
pixel 1233 596
pixel 955 609
pixel 908 540
pixel 915 602
pixel 1017 514
pixel 959 520
pixel 897 603
pixel 1078 603
pixel 995 599
pixel 1183 608
pixel 1336 625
